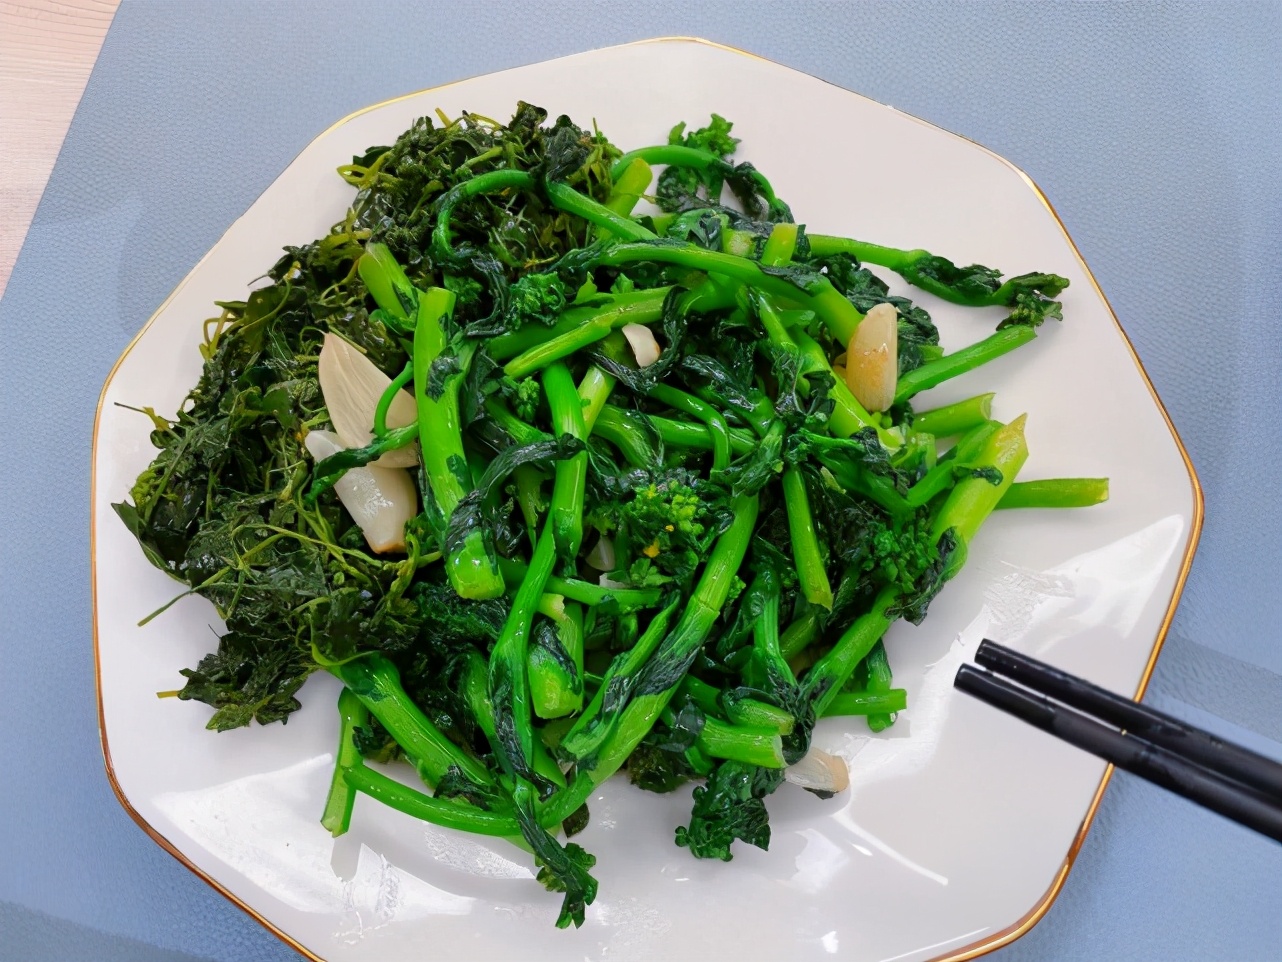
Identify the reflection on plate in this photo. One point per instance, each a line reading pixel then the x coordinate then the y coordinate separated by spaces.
pixel 960 824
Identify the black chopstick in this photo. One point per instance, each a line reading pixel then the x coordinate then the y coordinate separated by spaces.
pixel 1241 801
pixel 1154 727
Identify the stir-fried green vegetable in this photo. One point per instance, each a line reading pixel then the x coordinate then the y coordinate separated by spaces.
pixel 657 518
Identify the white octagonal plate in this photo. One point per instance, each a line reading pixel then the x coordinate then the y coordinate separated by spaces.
pixel 960 824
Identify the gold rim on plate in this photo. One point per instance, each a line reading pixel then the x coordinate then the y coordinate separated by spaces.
pixel 981 947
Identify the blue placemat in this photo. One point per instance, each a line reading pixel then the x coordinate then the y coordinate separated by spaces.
pixel 1155 129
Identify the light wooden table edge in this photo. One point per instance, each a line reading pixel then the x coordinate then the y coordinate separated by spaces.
pixel 47 51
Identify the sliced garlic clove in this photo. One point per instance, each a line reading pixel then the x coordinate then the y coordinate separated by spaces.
pixel 819 772
pixel 872 358
pixel 644 347
pixel 352 384
pixel 601 556
pixel 380 500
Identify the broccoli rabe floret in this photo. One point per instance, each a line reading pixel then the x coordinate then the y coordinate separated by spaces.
pixel 899 553
pixel 523 395
pixel 536 298
pixel 650 505
pixel 664 513
pixel 714 138
pixel 660 519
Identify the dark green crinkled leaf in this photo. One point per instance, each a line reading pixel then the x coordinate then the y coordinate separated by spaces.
pixel 565 149
pixel 927 584
pixel 656 770
pixel 454 784
pixel 438 376
pixel 1031 310
pixel 562 868
pixel 576 822
pixel 728 808
pixel 701 227
pixel 682 731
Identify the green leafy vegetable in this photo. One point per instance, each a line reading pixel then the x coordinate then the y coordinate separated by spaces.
pixel 667 565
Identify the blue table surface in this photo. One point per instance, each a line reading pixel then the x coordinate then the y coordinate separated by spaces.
pixel 1154 128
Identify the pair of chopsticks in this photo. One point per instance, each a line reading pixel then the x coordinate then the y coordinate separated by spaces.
pixel 1218 775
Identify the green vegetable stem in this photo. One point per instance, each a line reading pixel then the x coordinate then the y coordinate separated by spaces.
pixel 469 560
pixel 566 508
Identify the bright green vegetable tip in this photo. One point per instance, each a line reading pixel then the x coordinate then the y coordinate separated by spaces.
pixel 956 418
pixel 1056 493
